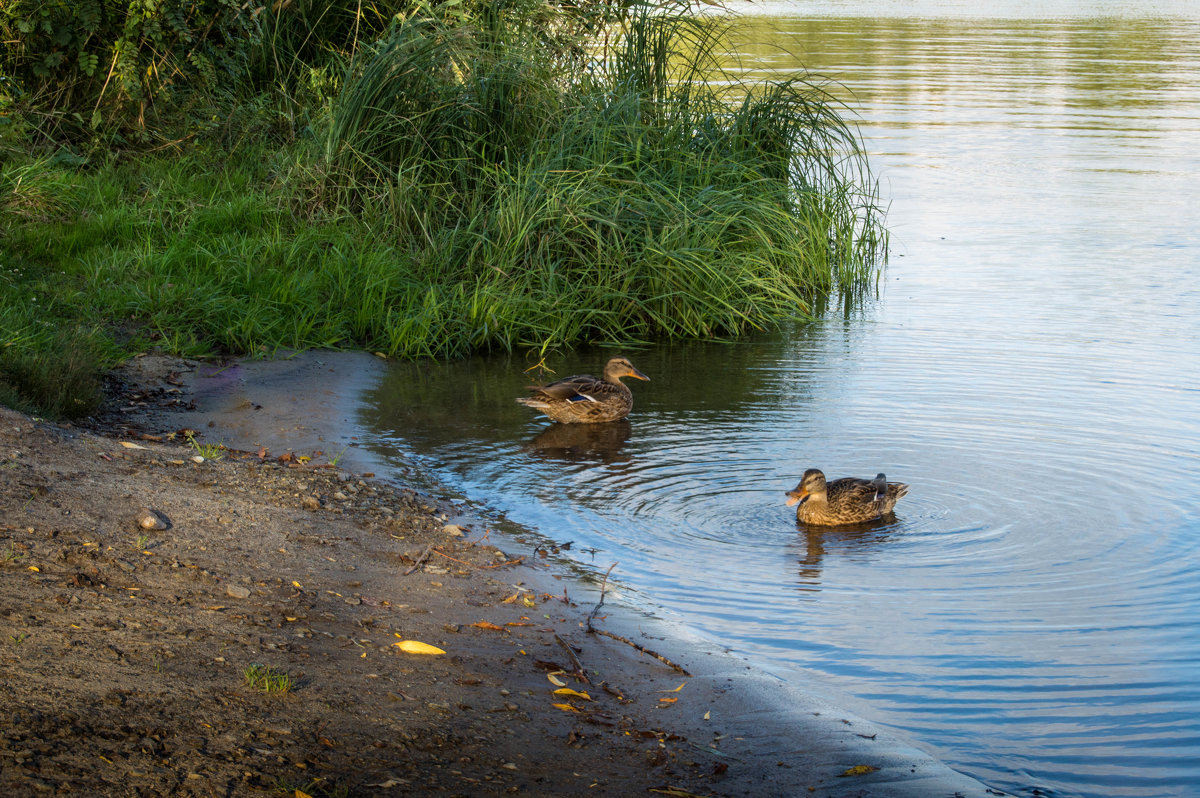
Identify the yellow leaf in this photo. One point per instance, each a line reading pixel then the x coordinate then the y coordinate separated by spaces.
pixel 554 680
pixel 708 715
pixel 576 693
pixel 35 569
pixel 859 770
pixel 528 602
pixel 417 647
pixel 129 445
pixel 301 793
pixel 676 690
pixel 565 707
pixel 667 700
pixel 295 583
pixel 303 458
pixel 487 625
pixel 511 598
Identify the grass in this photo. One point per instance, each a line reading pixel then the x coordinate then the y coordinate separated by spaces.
pixel 11 555
pixel 267 679
pixel 209 451
pixel 461 189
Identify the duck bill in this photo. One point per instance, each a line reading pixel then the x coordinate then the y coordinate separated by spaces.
pixel 796 496
pixel 637 374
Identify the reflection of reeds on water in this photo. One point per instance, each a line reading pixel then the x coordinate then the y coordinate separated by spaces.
pixel 581 442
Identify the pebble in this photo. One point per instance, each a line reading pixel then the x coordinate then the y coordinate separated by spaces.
pixel 311 503
pixel 151 519
pixel 237 591
pixel 454 530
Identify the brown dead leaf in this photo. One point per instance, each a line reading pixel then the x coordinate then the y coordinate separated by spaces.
pixel 488 625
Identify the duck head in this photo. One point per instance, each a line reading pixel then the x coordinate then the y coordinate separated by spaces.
pixel 811 484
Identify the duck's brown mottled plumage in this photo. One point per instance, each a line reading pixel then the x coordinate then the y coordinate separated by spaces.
pixel 586 399
pixel 843 501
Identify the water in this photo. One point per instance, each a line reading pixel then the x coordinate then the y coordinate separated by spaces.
pixel 1030 616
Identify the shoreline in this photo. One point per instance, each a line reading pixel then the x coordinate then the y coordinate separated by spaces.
pixel 730 730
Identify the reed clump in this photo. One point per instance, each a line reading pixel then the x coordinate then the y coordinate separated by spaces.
pixel 507 175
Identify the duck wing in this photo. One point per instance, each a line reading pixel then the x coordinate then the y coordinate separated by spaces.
pixel 580 388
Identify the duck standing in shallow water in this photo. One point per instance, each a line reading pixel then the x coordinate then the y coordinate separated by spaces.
pixel 843 501
pixel 584 399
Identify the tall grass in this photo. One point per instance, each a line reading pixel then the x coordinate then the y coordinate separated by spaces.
pixel 466 188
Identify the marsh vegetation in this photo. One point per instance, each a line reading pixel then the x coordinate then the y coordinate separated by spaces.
pixel 424 181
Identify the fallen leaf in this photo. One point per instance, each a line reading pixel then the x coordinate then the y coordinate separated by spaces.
pixel 554 680
pixel 676 690
pixel 488 625
pixel 518 623
pixel 35 569
pixel 859 770
pixel 708 715
pixel 417 647
pixel 576 693
pixel 301 793
pixel 566 707
pixel 667 700
pixel 528 602
pixel 130 445
pixel 295 583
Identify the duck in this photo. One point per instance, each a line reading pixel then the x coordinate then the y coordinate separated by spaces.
pixel 584 399
pixel 849 500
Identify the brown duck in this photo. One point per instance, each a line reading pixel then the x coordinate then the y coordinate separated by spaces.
pixel 586 399
pixel 843 501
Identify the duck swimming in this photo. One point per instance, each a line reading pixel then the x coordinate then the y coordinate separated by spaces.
pixel 584 399
pixel 844 501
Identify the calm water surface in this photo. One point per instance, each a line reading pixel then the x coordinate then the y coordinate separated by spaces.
pixel 1031 616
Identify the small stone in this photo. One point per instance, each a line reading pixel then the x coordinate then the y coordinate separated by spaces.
pixel 152 519
pixel 454 530
pixel 341 496
pixel 237 591
pixel 311 503
pixel 509 766
pixel 197 459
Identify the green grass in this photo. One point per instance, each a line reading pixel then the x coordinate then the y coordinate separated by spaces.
pixel 461 187
pixel 266 679
pixel 209 451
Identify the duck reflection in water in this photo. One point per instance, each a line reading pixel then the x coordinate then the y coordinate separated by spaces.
pixel 858 541
pixel 582 442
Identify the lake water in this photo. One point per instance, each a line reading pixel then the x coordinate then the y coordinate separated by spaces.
pixel 1031 615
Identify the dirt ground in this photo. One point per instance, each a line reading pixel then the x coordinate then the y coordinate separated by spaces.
pixel 174 624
